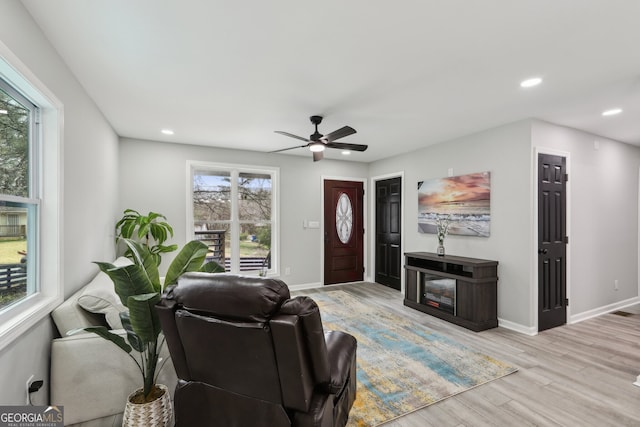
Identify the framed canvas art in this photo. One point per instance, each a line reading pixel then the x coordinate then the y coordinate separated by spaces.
pixel 462 200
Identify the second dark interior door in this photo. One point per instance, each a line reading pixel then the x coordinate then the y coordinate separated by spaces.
pixel 388 232
pixel 552 241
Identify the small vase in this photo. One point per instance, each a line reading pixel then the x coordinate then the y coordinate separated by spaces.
pixel 440 249
pixel 158 413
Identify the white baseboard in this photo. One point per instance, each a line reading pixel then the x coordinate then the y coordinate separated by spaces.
pixel 603 310
pixel 303 286
pixel 532 330
pixel 637 381
pixel 527 330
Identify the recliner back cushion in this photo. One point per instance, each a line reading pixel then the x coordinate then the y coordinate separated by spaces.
pixel 230 297
pixel 235 356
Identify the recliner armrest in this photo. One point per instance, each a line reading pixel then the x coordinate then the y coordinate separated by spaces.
pixel 341 349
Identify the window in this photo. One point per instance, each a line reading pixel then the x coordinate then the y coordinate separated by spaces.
pixel 233 210
pixel 19 197
pixel 30 206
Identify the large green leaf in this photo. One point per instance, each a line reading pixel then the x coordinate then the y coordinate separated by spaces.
pixel 142 256
pixel 126 229
pixel 127 280
pixel 163 249
pixel 153 215
pixel 161 231
pixel 127 223
pixel 143 230
pixel 144 317
pixel 190 258
pixel 135 341
pixel 104 333
pixel 212 267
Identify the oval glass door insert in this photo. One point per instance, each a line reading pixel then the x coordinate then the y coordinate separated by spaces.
pixel 344 218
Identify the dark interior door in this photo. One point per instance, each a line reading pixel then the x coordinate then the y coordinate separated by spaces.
pixel 552 238
pixel 388 218
pixel 343 232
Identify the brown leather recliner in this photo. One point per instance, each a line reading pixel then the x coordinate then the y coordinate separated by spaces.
pixel 247 355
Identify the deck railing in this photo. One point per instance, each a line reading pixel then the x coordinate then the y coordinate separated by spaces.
pixel 13 230
pixel 12 275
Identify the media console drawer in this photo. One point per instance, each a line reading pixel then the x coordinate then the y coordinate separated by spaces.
pixel 460 290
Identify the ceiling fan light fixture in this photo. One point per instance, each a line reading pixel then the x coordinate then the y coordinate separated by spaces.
pixel 317 142
pixel 316 147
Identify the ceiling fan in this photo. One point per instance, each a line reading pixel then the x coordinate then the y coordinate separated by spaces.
pixel 317 142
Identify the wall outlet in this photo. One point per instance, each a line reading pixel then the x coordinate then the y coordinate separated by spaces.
pixel 287 271
pixel 615 285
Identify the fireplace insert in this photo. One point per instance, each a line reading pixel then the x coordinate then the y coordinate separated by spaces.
pixel 439 292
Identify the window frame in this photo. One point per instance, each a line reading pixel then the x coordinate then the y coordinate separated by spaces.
pixel 235 170
pixel 45 188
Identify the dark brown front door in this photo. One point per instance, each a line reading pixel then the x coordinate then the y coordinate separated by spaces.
pixel 552 238
pixel 388 220
pixel 343 231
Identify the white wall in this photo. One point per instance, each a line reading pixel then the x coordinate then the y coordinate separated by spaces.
pixel 505 152
pixel 90 150
pixel 153 177
pixel 603 220
pixel 603 235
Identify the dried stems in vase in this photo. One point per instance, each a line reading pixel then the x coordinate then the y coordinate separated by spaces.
pixel 442 225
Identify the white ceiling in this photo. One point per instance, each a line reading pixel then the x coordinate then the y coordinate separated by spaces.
pixel 404 73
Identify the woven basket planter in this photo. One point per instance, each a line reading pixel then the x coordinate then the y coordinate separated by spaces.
pixel 152 414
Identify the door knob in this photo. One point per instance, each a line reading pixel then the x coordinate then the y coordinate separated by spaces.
pixel 542 251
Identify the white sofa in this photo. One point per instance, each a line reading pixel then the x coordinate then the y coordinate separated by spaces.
pixel 90 376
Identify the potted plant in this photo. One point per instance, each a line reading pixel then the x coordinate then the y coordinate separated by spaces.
pixel 152 230
pixel 139 287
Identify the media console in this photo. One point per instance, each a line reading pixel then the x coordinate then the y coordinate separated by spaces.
pixel 457 289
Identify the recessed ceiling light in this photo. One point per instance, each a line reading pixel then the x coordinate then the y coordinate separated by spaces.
pixel 535 81
pixel 346 152
pixel 612 112
pixel 4 112
pixel 167 131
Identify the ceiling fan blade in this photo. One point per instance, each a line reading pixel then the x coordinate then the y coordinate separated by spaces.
pixel 345 146
pixel 340 133
pixel 291 135
pixel 289 148
pixel 317 156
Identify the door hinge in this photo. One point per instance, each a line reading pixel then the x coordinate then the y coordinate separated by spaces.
pixel 566 239
pixel 566 302
pixel 566 177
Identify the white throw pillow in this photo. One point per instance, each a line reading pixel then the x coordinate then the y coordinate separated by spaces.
pixel 99 296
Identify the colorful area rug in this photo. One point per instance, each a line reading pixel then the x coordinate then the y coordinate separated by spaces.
pixel 402 366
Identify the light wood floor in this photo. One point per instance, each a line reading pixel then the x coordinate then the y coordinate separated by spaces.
pixel 574 375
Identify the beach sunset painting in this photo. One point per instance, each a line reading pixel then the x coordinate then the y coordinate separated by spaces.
pixel 464 199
